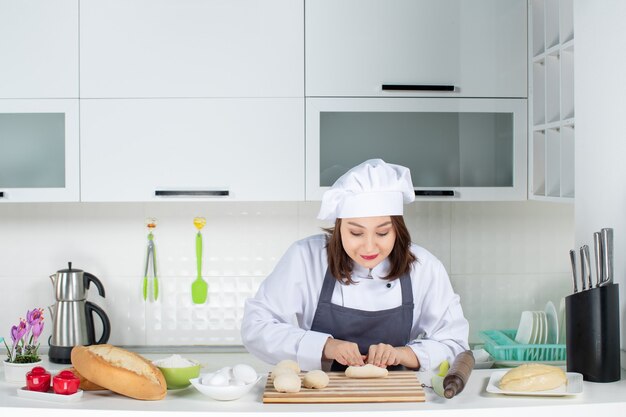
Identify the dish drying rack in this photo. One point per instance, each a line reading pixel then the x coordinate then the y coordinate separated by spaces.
pixel 502 346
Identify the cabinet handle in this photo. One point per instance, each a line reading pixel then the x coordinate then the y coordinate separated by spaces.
pixel 1 194
pixel 434 193
pixel 191 193
pixel 417 87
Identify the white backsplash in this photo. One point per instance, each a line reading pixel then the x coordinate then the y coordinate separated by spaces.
pixel 502 258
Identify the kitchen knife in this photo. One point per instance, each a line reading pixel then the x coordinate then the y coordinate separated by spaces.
pixel 597 247
pixel 583 268
pixel 607 256
pixel 587 260
pixel 572 258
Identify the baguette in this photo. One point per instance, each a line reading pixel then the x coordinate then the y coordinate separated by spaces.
pixel 120 371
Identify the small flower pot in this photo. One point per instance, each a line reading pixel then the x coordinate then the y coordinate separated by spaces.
pixel 15 373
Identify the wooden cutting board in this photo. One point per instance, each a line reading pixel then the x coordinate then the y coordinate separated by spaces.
pixel 398 386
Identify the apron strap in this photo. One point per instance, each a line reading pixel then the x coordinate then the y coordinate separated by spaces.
pixel 407 289
pixel 326 295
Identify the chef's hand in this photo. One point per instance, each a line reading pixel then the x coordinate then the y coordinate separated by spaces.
pixel 384 355
pixel 346 353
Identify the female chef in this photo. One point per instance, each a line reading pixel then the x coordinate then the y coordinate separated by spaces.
pixel 362 293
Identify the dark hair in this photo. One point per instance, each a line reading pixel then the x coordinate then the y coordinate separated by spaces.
pixel 400 259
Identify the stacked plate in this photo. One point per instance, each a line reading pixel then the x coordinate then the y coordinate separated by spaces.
pixel 539 327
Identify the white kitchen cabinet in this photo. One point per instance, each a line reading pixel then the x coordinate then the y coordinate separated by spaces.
pixel 551 101
pixel 191 48
pixel 478 47
pixel 457 149
pixel 39 150
pixel 39 49
pixel 206 149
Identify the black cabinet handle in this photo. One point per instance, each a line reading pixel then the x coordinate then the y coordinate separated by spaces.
pixel 417 87
pixel 191 193
pixel 1 194
pixel 434 193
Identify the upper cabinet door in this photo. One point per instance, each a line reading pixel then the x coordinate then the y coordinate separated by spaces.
pixel 39 150
pixel 476 48
pixel 39 49
pixel 201 149
pixel 191 48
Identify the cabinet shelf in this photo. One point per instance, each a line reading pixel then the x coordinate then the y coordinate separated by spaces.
pixel 551 96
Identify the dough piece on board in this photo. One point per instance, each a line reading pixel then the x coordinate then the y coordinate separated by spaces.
pixel 533 377
pixel 288 382
pixel 288 363
pixel 366 371
pixel 316 379
pixel 280 370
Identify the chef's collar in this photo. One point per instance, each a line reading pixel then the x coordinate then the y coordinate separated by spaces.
pixel 381 270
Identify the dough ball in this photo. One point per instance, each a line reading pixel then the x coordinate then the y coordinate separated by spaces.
pixel 279 370
pixel 287 382
pixel 315 379
pixel 366 371
pixel 288 363
pixel 533 377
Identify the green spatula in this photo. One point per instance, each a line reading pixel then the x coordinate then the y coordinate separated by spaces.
pixel 199 287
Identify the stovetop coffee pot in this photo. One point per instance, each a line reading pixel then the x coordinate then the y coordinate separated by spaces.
pixel 72 314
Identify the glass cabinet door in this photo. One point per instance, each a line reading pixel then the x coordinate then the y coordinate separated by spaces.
pixel 38 150
pixel 455 148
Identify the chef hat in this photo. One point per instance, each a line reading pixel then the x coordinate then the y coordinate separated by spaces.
pixel 373 188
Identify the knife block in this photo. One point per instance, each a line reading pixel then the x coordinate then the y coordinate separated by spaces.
pixel 592 333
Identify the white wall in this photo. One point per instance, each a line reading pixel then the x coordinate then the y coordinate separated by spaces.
pixel 502 258
pixel 600 95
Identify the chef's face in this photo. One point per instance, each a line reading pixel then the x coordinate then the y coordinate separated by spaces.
pixel 367 240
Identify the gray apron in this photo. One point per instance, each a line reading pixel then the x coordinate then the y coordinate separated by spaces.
pixel 365 328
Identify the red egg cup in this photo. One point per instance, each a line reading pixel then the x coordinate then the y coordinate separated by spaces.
pixel 38 379
pixel 65 383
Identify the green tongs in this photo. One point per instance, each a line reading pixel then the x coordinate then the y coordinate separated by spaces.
pixel 151 224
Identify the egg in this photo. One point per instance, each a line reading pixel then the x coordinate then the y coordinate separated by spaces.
pixel 244 373
pixel 206 379
pixel 227 371
pixel 219 379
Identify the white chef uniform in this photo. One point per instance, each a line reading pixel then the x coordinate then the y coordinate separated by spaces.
pixel 277 321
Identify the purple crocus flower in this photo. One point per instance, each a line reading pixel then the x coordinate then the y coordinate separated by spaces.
pixel 17 332
pixel 37 329
pixel 35 322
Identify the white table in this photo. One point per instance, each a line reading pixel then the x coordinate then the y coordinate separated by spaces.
pixel 595 401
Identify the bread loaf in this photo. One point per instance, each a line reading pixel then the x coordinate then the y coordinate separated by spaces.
pixel 120 371
pixel 533 377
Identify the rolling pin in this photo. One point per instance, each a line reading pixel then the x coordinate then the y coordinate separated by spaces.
pixel 459 373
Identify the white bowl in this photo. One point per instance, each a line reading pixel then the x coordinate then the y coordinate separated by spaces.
pixel 224 392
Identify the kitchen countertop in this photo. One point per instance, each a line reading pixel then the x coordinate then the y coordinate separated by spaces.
pixel 600 399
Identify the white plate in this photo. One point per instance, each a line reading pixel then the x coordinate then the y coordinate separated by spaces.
pixel 49 396
pixel 543 328
pixel 562 321
pixel 574 386
pixel 553 324
pixel 536 338
pixel 524 333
